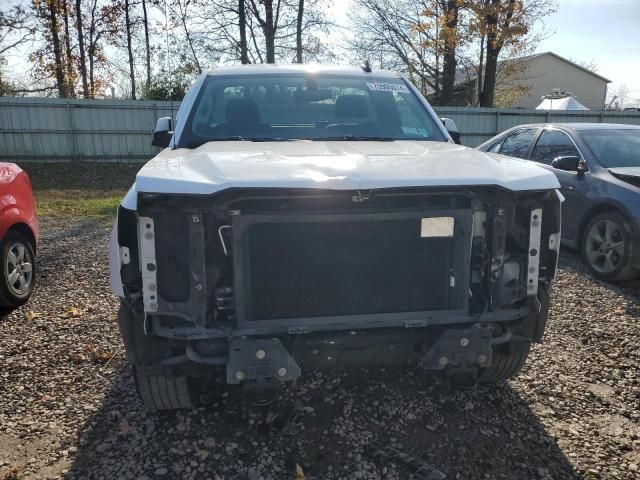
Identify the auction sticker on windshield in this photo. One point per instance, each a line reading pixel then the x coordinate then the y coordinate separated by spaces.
pixel 388 87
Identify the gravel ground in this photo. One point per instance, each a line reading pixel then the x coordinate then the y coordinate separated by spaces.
pixel 68 407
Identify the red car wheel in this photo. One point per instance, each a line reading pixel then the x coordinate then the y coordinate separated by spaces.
pixel 18 269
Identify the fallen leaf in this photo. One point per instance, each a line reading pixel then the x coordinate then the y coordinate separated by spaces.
pixel 299 473
pixel 12 474
pixel 32 315
pixel 98 355
pixel 103 356
pixel 80 358
pixel 74 312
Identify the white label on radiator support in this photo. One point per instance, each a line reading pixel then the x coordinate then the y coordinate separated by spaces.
pixel 437 227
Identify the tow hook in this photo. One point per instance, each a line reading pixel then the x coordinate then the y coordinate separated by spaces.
pixel 260 360
pixel 458 347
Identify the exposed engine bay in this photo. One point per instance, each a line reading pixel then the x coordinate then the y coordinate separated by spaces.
pixel 266 281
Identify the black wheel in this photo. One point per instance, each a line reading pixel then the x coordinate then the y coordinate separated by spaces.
pixel 18 269
pixel 507 362
pixel 606 247
pixel 157 391
pixel 162 393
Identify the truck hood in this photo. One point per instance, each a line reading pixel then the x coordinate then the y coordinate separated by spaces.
pixel 340 165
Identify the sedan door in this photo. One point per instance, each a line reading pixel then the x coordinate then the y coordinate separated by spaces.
pixel 517 143
pixel 551 144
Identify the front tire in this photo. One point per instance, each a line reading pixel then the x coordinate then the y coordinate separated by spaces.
pixel 507 362
pixel 18 269
pixel 606 247
pixel 165 393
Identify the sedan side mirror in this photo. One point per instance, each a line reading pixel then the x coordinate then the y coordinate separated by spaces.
pixel 162 133
pixel 570 163
pixel 452 128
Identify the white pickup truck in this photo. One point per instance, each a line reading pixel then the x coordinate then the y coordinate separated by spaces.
pixel 312 217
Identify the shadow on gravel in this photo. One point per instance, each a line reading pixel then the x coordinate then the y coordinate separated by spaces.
pixel 5 312
pixel 329 420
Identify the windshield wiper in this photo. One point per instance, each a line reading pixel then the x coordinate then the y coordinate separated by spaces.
pixel 239 138
pixel 355 138
pixel 199 143
pixel 225 139
pixel 270 139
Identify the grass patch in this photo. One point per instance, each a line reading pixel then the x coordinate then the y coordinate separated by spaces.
pixel 78 203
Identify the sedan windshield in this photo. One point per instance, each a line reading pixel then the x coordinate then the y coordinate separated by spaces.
pixel 293 106
pixel 614 148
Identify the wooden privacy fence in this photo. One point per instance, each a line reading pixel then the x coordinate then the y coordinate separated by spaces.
pixel 48 129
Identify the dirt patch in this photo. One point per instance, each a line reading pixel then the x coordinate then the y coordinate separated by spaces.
pixel 83 176
pixel 79 189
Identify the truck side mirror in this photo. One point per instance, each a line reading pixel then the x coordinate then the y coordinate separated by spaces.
pixel 452 128
pixel 570 163
pixel 162 133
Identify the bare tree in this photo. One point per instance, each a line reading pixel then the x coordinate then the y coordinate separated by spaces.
pixel 495 42
pixel 256 50
pixel 84 46
pixel 299 24
pixel 70 69
pixel 242 27
pixel 180 10
pixel 449 37
pixel 16 29
pixel 385 32
pixel 147 46
pixel 61 83
pixel 102 25
pixel 268 18
pixel 128 25
pixel 81 50
pixel 501 25
pixel 590 65
pixel 93 50
pixel 621 95
pixel 249 31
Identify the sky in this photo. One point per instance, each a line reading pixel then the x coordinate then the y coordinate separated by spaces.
pixel 604 31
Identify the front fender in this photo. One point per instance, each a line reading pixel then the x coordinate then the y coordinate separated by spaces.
pixel 13 214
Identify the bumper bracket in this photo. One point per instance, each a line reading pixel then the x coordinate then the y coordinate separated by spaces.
pixel 260 360
pixel 460 348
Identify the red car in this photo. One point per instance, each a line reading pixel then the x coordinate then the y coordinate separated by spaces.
pixel 18 236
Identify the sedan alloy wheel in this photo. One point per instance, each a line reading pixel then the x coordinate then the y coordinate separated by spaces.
pixel 605 246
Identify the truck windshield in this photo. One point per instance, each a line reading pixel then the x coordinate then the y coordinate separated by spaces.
pixel 614 148
pixel 298 106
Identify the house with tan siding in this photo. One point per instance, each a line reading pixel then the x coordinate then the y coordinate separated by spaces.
pixel 523 81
